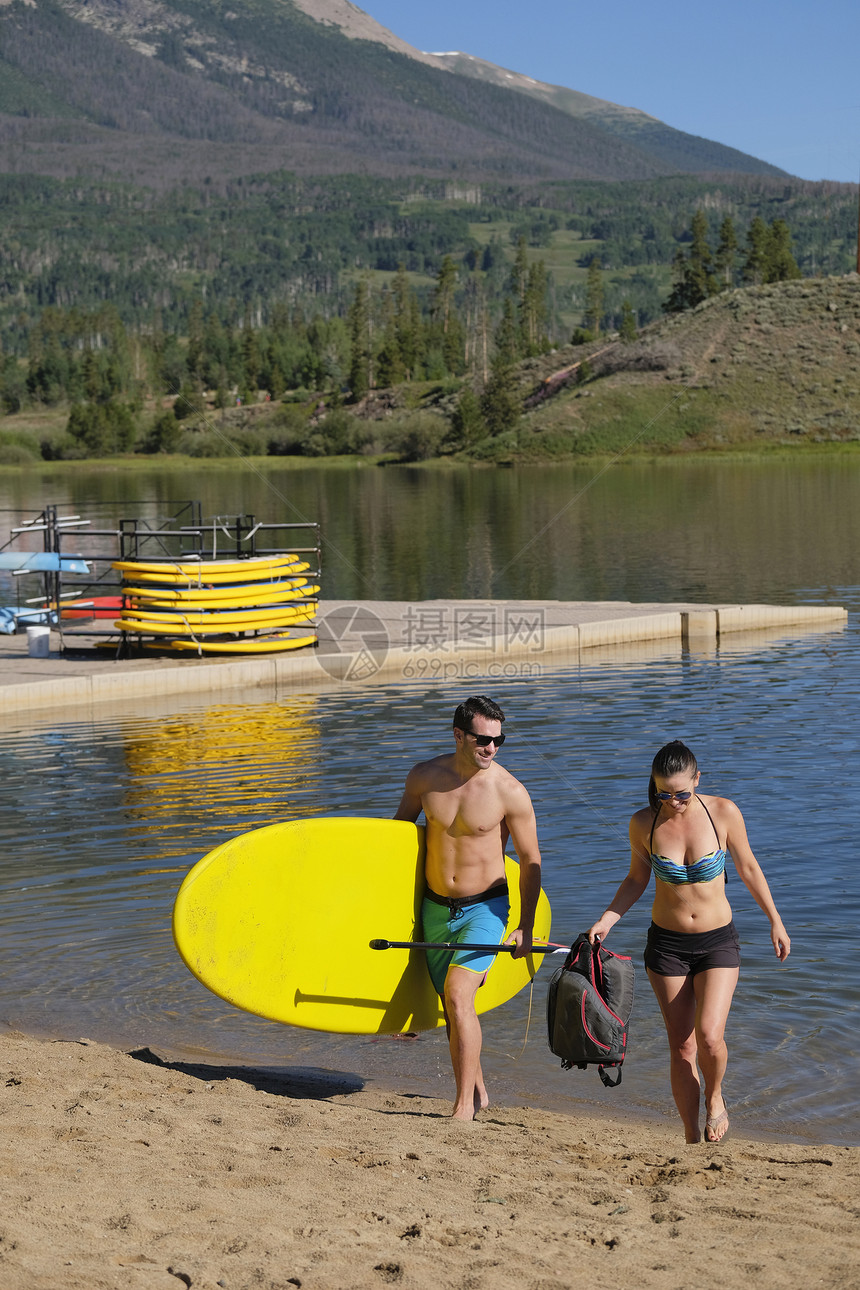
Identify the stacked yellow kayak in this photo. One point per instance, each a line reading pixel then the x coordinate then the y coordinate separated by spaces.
pixel 254 606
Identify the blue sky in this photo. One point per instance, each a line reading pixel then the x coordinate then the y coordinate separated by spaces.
pixel 779 81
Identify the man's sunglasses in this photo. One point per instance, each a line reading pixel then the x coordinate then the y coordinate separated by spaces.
pixel 679 797
pixel 484 741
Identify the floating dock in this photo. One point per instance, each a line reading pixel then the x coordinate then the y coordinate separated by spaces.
pixel 456 642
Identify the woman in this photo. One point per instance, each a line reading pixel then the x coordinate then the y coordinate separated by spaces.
pixel 692 955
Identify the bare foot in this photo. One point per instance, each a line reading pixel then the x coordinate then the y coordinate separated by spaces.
pixel 482 1099
pixel 464 1113
pixel 717 1126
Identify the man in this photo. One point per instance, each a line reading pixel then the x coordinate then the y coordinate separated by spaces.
pixel 471 805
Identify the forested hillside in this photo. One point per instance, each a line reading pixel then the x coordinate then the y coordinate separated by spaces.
pixel 280 241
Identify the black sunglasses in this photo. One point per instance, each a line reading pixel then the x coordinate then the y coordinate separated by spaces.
pixel 484 741
pixel 679 797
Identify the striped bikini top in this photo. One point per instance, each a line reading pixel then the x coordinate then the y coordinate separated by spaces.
pixel 704 870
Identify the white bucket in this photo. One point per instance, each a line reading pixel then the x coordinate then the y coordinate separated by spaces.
pixel 38 642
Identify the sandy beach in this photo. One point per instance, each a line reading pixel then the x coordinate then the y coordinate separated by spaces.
pixel 119 1171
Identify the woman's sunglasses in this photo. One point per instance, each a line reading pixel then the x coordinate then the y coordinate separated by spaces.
pixel 678 797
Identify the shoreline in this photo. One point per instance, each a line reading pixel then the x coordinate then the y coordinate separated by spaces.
pixel 117 1167
pixel 586 1100
pixel 138 463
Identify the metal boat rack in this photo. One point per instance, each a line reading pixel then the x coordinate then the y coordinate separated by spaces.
pixel 185 535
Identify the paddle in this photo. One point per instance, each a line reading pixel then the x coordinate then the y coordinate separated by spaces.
pixel 463 945
pixel 440 945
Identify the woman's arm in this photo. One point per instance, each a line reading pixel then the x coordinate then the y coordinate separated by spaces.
pixel 751 875
pixel 630 890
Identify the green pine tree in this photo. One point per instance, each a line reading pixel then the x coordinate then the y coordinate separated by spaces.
pixel 500 403
pixel 215 358
pixel 755 264
pixel 196 344
pixel 250 360
pixel 627 330
pixel 593 314
pixel 533 309
pixel 780 264
pixel 406 321
pixel 700 262
pixel 520 269
pixel 443 293
pixel 467 422
pixel 91 378
pixel 390 369
pixel 360 345
pixel 695 279
pixel 449 330
pixel 519 286
pixel 727 249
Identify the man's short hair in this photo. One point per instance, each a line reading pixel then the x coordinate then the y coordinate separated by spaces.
pixel 478 706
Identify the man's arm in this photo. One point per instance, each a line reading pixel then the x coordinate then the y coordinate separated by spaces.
pixel 521 823
pixel 410 803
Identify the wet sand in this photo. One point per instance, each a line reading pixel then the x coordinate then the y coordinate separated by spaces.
pixel 122 1172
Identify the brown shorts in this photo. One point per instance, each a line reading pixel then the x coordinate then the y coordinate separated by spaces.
pixel 686 953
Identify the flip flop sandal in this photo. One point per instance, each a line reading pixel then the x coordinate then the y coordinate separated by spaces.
pixel 713 1123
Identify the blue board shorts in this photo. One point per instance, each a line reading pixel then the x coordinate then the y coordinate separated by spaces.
pixel 481 919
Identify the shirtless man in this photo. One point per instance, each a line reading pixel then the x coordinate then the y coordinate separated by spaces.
pixel 471 805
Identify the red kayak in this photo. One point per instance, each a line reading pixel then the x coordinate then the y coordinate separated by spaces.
pixel 92 607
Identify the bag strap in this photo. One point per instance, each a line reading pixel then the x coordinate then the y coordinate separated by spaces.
pixel 592 964
pixel 604 1075
pixel 581 943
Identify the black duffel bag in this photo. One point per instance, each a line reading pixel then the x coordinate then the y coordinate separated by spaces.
pixel 588 1006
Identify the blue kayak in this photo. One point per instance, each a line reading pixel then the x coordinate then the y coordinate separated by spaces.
pixel 42 562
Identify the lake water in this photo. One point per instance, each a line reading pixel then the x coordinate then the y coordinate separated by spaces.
pixel 766 530
pixel 102 818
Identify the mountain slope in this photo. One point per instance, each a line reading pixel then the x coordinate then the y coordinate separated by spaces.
pixel 683 152
pixel 95 86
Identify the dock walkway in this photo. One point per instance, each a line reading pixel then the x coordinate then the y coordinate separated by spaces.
pixel 369 640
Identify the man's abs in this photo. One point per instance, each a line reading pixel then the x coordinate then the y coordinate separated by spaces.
pixel 463 866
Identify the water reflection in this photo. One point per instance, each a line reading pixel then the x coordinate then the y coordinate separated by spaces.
pixel 215 764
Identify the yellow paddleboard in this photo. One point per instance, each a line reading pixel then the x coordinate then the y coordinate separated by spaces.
pixel 278 921
pixel 256 593
pixel 151 627
pixel 171 567
pixel 274 644
pixel 181 618
pixel 171 578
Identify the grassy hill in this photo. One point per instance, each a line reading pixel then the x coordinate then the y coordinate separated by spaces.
pixel 759 367
pixel 165 93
